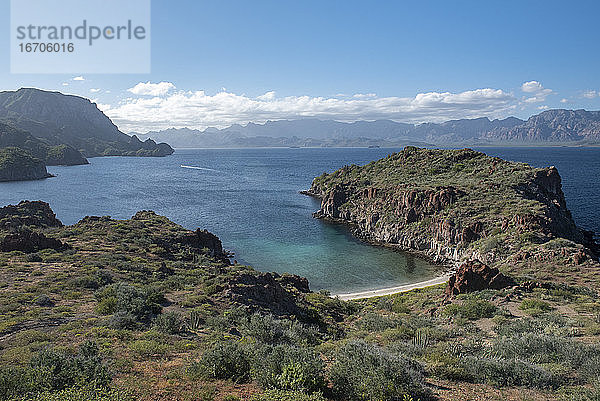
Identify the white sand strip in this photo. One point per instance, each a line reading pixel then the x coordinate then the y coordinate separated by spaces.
pixel 393 290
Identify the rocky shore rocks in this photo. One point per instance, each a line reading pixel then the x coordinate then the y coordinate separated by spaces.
pixel 475 276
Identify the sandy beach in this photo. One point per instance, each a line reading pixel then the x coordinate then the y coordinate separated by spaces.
pixel 393 290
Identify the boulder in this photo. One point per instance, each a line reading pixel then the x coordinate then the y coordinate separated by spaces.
pixel 29 241
pixel 476 276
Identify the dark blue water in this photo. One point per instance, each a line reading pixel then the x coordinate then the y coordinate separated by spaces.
pixel 250 199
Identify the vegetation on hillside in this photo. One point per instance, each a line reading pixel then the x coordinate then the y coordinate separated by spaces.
pixel 139 309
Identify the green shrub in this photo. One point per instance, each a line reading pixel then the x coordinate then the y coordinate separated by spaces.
pixel 287 367
pixel 149 348
pixel 535 306
pixel 363 372
pixel 168 323
pixel 143 303
pixel 280 395
pixel 52 370
pixel 122 321
pixel 472 309
pixel 227 360
pixel 80 394
pixel 508 372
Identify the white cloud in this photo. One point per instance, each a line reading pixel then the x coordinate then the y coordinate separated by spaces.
pixel 590 94
pixel 199 110
pixel 94 90
pixel 564 100
pixel 267 96
pixel 65 84
pixel 537 91
pixel 544 107
pixel 364 95
pixel 79 78
pixel 150 89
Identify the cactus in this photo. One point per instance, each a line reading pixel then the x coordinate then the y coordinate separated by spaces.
pixel 195 323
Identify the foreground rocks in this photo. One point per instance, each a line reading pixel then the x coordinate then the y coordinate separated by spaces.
pixel 28 241
pixel 280 295
pixel 475 276
pixel 28 213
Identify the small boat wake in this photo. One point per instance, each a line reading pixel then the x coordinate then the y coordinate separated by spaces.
pixel 198 168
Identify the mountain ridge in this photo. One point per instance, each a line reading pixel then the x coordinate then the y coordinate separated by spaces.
pixel 548 127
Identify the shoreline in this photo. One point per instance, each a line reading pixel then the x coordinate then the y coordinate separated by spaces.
pixel 393 290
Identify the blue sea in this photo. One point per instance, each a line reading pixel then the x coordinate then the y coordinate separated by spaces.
pixel 250 199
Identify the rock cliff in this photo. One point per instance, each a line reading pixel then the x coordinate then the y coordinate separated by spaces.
pixel 450 205
pixel 19 165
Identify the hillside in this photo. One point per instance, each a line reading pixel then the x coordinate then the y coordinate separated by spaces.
pixel 19 165
pixel 60 119
pixel 548 127
pixel 142 309
pixel 458 205
pixel 51 155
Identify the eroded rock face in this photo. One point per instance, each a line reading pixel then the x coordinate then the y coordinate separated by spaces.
pixel 28 241
pixel 475 276
pixel 270 292
pixel 27 213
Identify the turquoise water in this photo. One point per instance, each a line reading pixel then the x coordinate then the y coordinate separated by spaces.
pixel 250 199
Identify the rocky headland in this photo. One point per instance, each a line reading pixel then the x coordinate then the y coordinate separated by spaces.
pixel 20 165
pixel 455 206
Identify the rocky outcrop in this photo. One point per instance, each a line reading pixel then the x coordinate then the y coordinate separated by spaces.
pixel 28 213
pixel 270 292
pixel 475 276
pixel 29 241
pixel 481 209
pixel 19 165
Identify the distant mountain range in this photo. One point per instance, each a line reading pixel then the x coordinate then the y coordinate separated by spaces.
pixel 72 122
pixel 548 127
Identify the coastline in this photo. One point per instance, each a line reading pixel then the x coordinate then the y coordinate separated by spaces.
pixel 393 290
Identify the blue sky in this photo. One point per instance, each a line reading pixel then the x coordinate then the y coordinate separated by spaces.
pixel 224 62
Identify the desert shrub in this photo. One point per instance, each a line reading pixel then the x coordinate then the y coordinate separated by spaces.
pixel 122 321
pixel 546 323
pixel 168 323
pixel 16 382
pixel 270 330
pixel 51 370
pixel 33 257
pixel 540 348
pixel 44 300
pixel 590 365
pixel 143 303
pixel 149 348
pixel 535 306
pixel 226 360
pixel 281 395
pixel 365 372
pixel 80 394
pixel 472 309
pixel 287 367
pixel 508 372
pixel 375 322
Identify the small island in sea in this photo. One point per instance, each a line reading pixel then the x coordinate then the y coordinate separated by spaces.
pixel 144 309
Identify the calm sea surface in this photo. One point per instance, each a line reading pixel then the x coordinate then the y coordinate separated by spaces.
pixel 250 199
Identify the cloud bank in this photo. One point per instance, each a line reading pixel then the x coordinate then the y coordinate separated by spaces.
pixel 167 108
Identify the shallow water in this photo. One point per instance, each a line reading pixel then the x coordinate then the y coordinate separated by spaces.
pixel 250 199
